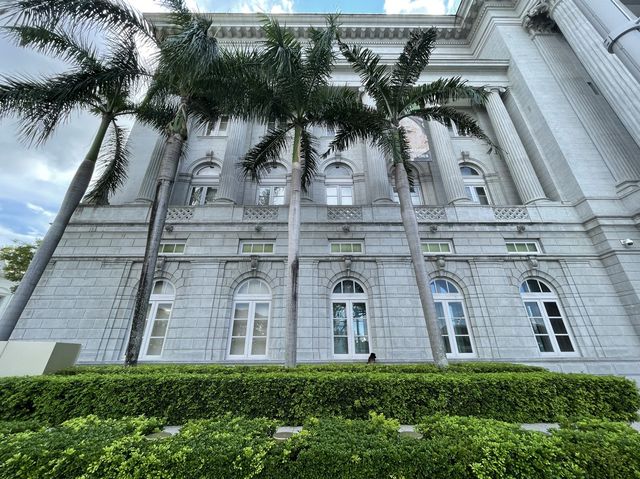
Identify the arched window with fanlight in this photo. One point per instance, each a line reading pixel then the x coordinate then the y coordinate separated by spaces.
pixel 250 320
pixel 339 184
pixel 452 319
pixel 546 318
pixel 474 185
pixel 204 184
pixel 157 322
pixel 349 320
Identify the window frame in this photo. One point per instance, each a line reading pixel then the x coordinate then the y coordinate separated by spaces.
pixel 182 243
pixel 349 299
pixel 214 129
pixel 242 244
pixel 526 242
pixel 445 299
pixel 449 243
pixel 271 187
pixel 472 182
pixel 205 182
pixel 540 299
pixel 252 299
pixel 155 300
pixel 346 242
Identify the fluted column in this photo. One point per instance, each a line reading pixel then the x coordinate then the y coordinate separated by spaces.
pixel 231 175
pixel 608 135
pixel 618 86
pixel 148 187
pixel 515 156
pixel 444 155
pixel 377 177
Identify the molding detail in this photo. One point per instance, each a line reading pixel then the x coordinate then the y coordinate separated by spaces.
pixel 538 21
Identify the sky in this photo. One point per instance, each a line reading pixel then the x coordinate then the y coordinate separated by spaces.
pixel 33 180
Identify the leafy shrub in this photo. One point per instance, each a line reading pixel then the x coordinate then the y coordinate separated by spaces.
pixel 10 427
pixel 293 397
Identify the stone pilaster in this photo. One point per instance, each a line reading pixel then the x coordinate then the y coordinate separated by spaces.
pixel 513 151
pixel 231 179
pixel 446 158
pixel 618 86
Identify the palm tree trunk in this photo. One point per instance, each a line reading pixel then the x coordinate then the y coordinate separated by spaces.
pixel 293 260
pixel 410 224
pixel 72 198
pixel 158 215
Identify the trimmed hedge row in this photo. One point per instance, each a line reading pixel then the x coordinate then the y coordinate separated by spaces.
pixel 451 448
pixel 293 397
pixel 465 367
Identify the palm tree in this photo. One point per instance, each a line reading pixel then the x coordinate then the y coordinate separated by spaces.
pixel 396 97
pixel 294 91
pixel 193 76
pixel 102 84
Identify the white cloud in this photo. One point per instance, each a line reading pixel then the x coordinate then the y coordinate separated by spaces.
pixel 265 6
pixel 41 210
pixel 427 7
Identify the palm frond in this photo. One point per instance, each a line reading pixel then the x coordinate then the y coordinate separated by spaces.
pixel 179 12
pixel 375 78
pixel 53 42
pixel 394 143
pixel 413 59
pixel 441 92
pixel 113 161
pixel 319 55
pixel 281 50
pixel 465 123
pixel 114 15
pixel 264 156
pixel 309 156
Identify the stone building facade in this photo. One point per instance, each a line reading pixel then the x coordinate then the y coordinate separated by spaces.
pixel 523 245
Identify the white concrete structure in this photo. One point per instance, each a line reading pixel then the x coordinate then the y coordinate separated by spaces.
pixel 524 247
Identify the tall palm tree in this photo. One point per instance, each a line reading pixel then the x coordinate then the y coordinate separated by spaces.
pixel 294 89
pixel 396 97
pixel 194 76
pixel 102 84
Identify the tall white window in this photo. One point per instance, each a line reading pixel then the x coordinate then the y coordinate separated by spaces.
pixel 250 320
pixel 546 318
pixel 414 190
pixel 271 190
pixel 452 319
pixel 475 186
pixel 219 127
pixel 349 320
pixel 204 185
pixel 339 184
pixel 158 317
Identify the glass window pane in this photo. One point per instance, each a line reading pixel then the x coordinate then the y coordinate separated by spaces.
pixel 464 344
pixel 551 307
pixel 544 288
pixel 262 311
pixel 237 346
pixel 347 287
pixel 260 328
pixel 159 328
pixel 455 309
pixel 521 247
pixel 533 309
pixel 358 288
pixel 524 287
pixel 558 326
pixel 340 345
pixel 538 326
pixel 210 196
pixel 196 194
pixel 340 326
pixel 259 346
pixel 460 326
pixel 155 346
pixel 441 286
pixel 359 319
pixel 246 248
pixel 332 191
pixel 263 196
pixel 157 288
pixel 534 286
pixel 241 311
pixel 335 247
pixel 445 248
pixel 361 345
pixel 447 345
pixel 268 248
pixel 511 247
pixel 239 328
pixel 164 311
pixel 544 344
pixel 483 199
pixel 357 248
pixel 339 310
pixel 338 288
pixel 564 343
pixel 278 195
pixel 179 248
pixel 439 309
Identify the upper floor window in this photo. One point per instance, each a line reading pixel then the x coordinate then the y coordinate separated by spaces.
pixel 414 190
pixel 546 318
pixel 339 184
pixel 452 319
pixel 349 320
pixel 523 247
pixel 271 190
pixel 158 317
pixel 204 185
pixel 250 320
pixel 437 247
pixel 256 247
pixel 346 247
pixel 172 247
pixel 218 127
pixel 474 185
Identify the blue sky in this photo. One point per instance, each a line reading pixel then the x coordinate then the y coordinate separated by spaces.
pixel 33 180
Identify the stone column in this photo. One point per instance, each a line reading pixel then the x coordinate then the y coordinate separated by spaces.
pixel 513 152
pixel 617 84
pixel 148 188
pixel 605 129
pixel 378 185
pixel 445 156
pixel 231 178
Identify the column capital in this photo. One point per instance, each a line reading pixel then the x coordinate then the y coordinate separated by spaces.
pixel 538 21
pixel 497 89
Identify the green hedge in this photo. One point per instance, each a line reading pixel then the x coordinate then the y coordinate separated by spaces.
pixel 293 397
pixel 451 448
pixel 427 368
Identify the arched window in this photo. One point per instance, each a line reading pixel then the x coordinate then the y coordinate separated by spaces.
pixel 204 185
pixel 451 318
pixel 271 190
pixel 415 190
pixel 158 317
pixel 339 184
pixel 349 319
pixel 250 320
pixel 474 185
pixel 545 315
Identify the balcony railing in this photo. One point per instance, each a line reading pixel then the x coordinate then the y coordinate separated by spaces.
pixel 511 213
pixel 260 213
pixel 344 213
pixel 431 213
